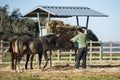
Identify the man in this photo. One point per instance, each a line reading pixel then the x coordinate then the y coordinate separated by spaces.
pixel 82 49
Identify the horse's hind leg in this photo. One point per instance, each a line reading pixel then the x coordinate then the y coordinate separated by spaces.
pixel 12 63
pixel 40 59
pixel 18 59
pixel 27 59
pixel 31 67
pixel 46 58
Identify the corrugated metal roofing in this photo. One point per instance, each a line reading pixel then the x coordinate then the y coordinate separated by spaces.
pixel 63 11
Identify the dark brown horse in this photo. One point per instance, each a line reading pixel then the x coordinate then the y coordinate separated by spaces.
pixel 30 46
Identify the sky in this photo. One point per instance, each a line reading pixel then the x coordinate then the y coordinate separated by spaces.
pixel 105 28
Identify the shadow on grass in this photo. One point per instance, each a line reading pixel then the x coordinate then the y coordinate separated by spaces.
pixel 103 66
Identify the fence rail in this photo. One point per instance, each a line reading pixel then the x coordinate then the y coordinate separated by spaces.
pixel 98 53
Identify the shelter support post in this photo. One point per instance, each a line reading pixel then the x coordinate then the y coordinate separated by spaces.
pixel 40 29
pixel 77 20
pixel 86 34
pixel 87 25
pixel 76 29
pixel 48 20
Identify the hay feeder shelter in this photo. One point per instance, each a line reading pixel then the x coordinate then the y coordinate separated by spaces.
pixel 62 12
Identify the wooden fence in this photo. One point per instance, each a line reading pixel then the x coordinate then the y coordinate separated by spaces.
pixel 98 53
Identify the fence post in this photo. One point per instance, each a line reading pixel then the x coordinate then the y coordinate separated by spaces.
pixel 0 58
pixel 100 52
pixel 110 50
pixel 1 50
pixel 90 51
pixel 58 52
pixel 70 58
pixel 1 45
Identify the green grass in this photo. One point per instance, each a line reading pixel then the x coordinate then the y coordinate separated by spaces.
pixel 21 78
pixel 7 57
pixel 96 78
pixel 64 77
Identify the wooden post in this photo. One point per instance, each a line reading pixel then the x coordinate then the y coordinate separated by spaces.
pixel 1 50
pixel 48 20
pixel 90 51
pixel 85 32
pixel 87 25
pixel 87 22
pixel 70 58
pixel 100 51
pixel 110 50
pixel 0 58
pixel 58 52
pixel 1 45
pixel 40 29
pixel 77 20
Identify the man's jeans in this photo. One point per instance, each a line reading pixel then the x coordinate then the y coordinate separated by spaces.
pixel 82 52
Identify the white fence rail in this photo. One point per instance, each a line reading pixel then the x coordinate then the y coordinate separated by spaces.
pixel 98 53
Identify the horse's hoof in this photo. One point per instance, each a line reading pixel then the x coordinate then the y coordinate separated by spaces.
pixel 18 71
pixel 31 68
pixel 12 69
pixel 43 70
pixel 39 67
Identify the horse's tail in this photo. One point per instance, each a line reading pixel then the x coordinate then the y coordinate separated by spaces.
pixel 10 47
pixel 11 50
pixel 17 47
pixel 12 44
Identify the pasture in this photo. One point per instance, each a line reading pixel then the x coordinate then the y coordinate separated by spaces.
pixel 101 66
pixel 62 72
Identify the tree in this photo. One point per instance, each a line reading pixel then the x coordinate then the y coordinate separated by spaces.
pixel 91 36
pixel 13 24
pixel 5 27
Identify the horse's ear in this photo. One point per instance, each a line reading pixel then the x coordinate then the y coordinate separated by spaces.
pixel 58 35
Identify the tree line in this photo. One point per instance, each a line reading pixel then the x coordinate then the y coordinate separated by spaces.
pixel 12 24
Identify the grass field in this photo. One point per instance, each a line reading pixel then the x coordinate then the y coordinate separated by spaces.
pixel 61 72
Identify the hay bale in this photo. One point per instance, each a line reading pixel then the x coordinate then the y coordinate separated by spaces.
pixel 66 32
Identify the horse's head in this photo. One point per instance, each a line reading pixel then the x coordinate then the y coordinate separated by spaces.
pixel 53 39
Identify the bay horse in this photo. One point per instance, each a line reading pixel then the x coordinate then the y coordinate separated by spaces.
pixel 30 46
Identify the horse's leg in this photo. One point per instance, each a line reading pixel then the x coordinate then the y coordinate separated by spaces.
pixel 12 61
pixel 46 58
pixel 31 67
pixel 18 63
pixel 15 61
pixel 50 58
pixel 18 59
pixel 27 59
pixel 40 59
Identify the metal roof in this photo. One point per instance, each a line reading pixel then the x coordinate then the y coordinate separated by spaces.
pixel 63 11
